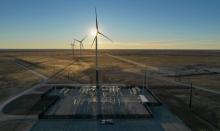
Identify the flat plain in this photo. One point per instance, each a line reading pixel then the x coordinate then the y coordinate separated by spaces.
pixel 126 67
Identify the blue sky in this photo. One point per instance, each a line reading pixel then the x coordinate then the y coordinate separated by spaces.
pixel 160 24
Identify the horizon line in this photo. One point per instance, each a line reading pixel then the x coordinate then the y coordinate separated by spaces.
pixel 99 49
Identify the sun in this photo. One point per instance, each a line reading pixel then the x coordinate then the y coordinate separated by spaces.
pixel 93 32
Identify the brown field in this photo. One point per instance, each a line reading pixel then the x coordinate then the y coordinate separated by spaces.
pixel 13 78
pixel 61 67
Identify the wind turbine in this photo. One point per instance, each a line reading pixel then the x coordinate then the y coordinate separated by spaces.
pixel 80 44
pixel 97 73
pixel 72 44
pixel 96 47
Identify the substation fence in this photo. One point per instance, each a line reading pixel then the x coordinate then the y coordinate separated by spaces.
pixel 44 115
pixel 101 116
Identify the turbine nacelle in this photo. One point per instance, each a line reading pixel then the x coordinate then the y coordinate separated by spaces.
pixel 80 41
pixel 99 33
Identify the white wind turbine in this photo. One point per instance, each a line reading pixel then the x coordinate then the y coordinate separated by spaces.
pixel 97 72
pixel 96 47
pixel 80 44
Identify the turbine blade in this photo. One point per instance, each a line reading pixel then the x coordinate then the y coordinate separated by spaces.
pixel 83 38
pixel 77 40
pixel 94 41
pixel 97 26
pixel 105 36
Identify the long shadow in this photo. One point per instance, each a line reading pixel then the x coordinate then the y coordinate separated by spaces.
pixel 114 74
pixel 60 71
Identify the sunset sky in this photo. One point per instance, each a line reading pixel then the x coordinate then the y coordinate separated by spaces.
pixel 132 24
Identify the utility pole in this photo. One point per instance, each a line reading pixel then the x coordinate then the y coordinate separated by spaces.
pixel 148 80
pixel 175 75
pixel 190 98
pixel 145 80
pixel 80 50
pixel 73 53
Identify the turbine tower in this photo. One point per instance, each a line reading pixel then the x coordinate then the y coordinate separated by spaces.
pixel 80 44
pixel 96 49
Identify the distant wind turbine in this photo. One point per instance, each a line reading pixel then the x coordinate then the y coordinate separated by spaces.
pixel 72 44
pixel 80 44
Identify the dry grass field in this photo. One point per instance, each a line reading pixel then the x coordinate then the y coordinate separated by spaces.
pixel 61 67
pixel 14 78
pixel 174 59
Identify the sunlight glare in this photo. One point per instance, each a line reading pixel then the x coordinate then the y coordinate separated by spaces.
pixel 93 32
